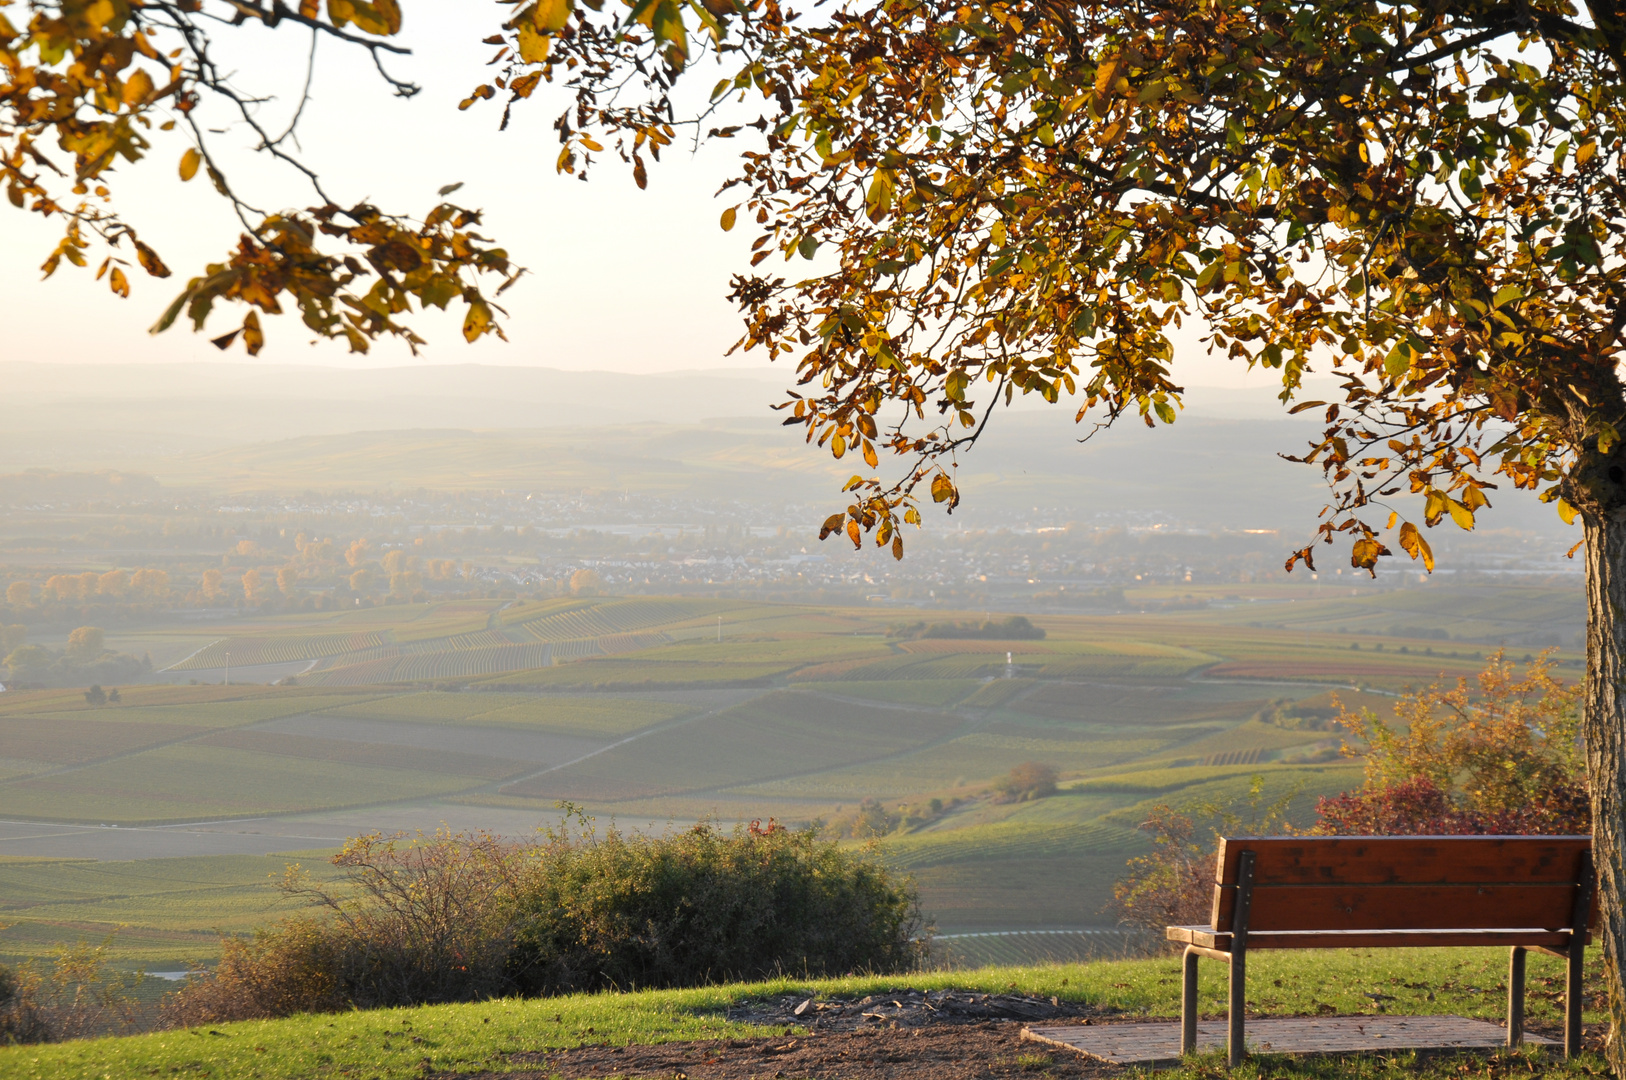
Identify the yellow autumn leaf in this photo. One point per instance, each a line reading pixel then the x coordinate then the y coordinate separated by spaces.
pixel 550 16
pixel 253 336
pixel 189 163
pixel 533 46
pixel 1460 514
pixel 137 88
pixel 477 321
pixel 729 217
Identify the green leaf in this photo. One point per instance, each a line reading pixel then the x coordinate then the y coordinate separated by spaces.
pixel 1397 363
pixel 171 313
pixel 670 31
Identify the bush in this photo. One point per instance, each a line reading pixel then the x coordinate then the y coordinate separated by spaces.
pixel 423 920
pixel 1029 780
pixel 77 996
pixel 1505 760
pixel 1418 807
pixel 290 968
pixel 703 905
pixel 463 917
pixel 1174 885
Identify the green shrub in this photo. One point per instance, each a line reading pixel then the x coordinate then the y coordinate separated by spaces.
pixel 704 905
pixel 465 917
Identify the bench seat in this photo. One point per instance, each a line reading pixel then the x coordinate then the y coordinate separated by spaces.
pixel 1550 941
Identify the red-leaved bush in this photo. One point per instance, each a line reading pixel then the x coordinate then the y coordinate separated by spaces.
pixel 1418 807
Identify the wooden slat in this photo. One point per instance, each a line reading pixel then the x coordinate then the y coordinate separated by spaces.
pixel 1403 907
pixel 1417 860
pixel 1205 937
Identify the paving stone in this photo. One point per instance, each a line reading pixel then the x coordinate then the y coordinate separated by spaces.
pixel 1159 1043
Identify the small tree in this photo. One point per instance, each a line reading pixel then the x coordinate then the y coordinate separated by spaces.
pixel 1174 884
pixel 86 644
pixel 1029 780
pixel 1505 757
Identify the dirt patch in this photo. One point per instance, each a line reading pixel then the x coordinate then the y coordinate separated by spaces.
pixel 908 1008
pixel 980 1050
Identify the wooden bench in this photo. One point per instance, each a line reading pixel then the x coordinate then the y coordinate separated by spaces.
pixel 1336 892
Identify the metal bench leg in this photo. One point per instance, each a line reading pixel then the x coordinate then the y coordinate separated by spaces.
pixel 1188 1003
pixel 1235 1044
pixel 1515 997
pixel 1236 1047
pixel 1582 912
pixel 1572 999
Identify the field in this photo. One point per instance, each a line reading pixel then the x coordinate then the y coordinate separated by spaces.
pixel 652 712
pixel 160 914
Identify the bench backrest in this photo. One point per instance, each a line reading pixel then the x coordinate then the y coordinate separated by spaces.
pixel 1405 882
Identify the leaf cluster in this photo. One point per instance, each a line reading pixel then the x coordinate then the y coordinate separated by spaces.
pixel 1499 747
pixel 106 80
pixel 1016 198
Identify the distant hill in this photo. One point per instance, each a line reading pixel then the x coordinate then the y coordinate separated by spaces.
pixel 701 434
pixel 49 486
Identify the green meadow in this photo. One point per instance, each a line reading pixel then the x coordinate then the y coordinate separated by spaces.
pixel 405 1044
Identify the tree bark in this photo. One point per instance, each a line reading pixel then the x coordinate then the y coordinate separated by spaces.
pixel 1605 727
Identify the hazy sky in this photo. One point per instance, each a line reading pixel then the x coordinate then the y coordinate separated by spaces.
pixel 620 279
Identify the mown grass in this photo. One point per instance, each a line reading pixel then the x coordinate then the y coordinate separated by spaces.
pixel 398 1044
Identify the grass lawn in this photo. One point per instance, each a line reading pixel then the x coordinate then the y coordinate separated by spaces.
pixel 398 1044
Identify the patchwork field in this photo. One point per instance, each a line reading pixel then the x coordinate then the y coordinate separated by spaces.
pixel 650 711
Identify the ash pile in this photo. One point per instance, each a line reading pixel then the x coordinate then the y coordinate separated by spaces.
pixel 908 1008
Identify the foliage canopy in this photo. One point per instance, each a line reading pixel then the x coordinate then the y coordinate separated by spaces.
pixel 106 81
pixel 1027 198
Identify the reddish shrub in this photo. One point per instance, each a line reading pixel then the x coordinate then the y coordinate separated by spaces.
pixel 1418 807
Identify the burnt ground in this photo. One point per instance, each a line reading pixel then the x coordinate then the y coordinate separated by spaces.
pixel 981 1050
pixel 899 1035
pixel 909 1008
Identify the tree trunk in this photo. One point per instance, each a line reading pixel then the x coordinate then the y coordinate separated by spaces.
pixel 1605 727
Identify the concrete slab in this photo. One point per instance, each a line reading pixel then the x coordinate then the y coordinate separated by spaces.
pixel 1159 1043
